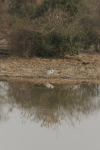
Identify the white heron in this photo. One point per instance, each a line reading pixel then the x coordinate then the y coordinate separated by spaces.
pixel 48 72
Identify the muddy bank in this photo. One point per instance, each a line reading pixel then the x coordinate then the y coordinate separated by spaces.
pixel 71 70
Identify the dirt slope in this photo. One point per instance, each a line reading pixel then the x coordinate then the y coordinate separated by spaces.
pixel 73 69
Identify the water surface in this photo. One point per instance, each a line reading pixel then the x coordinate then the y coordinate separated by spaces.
pixel 41 117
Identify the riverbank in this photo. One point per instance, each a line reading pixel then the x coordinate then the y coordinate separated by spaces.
pixel 84 67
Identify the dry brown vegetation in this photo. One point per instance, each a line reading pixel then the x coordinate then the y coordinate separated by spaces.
pixel 75 28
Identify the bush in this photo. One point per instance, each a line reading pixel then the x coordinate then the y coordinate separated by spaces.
pixel 33 10
pixel 16 4
pixel 53 28
pixel 65 5
pixel 89 37
pixel 28 10
pixel 32 43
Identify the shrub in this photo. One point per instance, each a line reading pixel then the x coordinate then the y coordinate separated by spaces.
pixel 32 43
pixel 68 5
pixel 54 27
pixel 89 37
pixel 28 10
pixel 33 10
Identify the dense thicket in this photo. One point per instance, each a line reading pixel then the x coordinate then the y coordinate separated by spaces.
pixel 50 28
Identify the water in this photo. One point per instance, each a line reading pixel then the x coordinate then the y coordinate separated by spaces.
pixel 40 117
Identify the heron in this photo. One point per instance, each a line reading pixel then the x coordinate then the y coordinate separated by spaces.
pixel 48 72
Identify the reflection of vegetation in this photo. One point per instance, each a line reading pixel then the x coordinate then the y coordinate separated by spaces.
pixel 52 106
pixel 3 115
pixel 3 102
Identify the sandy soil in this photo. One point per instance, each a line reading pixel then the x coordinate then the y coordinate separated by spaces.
pixel 71 70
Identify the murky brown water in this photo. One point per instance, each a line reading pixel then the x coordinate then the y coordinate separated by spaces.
pixel 45 116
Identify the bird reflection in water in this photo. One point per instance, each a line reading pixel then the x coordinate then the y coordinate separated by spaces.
pixel 49 86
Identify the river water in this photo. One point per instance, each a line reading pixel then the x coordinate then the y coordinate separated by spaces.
pixel 49 117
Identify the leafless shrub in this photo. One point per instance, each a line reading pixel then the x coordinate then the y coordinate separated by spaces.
pixel 91 16
pixel 51 20
pixel 17 42
pixel 22 39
